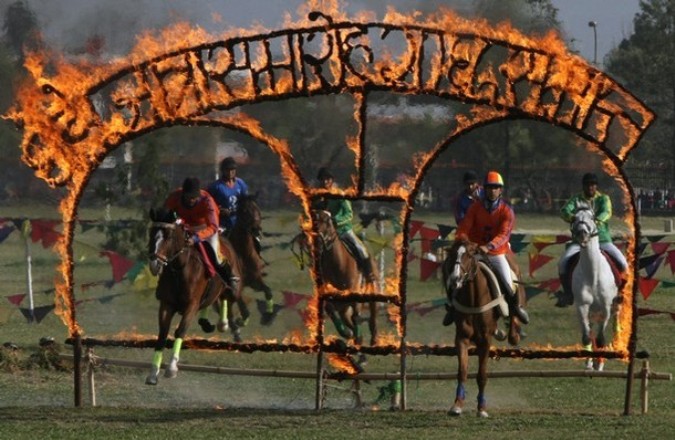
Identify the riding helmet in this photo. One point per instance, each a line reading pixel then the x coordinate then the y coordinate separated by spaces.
pixel 589 179
pixel 191 186
pixel 228 164
pixel 493 178
pixel 470 177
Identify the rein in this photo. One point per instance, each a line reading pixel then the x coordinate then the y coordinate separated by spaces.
pixel 470 277
pixel 163 260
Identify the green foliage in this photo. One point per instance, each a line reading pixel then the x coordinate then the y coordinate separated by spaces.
pixel 645 64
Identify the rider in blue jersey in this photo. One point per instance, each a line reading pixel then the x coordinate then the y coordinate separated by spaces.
pixel 227 191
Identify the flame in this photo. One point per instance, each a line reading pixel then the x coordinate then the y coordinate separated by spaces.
pixel 342 363
pixel 181 75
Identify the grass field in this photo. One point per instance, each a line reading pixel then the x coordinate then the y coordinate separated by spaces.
pixel 36 398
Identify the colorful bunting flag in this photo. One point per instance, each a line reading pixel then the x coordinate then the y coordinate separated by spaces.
pixel 43 231
pixel 537 261
pixel 291 299
pixel 647 286
pixel 671 261
pixel 652 268
pixel 428 268
pixel 16 299
pixel 414 228
pixel 120 265
pixel 39 313
pixel 445 230
pixel 660 248
pixel 5 230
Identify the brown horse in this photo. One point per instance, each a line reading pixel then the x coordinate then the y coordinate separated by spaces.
pixel 338 267
pixel 473 289
pixel 184 286
pixel 245 240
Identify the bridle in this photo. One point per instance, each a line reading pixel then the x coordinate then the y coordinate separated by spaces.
pixel 328 234
pixel 584 227
pixel 165 260
pixel 460 273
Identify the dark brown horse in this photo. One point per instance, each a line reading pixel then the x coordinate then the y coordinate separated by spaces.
pixel 473 289
pixel 184 286
pixel 338 267
pixel 245 240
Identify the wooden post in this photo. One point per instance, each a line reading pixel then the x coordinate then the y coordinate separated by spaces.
pixel 89 357
pixel 319 356
pixel 77 370
pixel 644 388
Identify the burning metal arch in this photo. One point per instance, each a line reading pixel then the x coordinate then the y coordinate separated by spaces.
pixel 66 136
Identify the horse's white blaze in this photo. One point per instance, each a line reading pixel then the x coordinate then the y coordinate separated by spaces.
pixel 155 265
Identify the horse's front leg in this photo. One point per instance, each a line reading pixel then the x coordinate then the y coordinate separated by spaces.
pixel 164 316
pixel 586 339
pixel 483 350
pixel 600 342
pixel 462 346
pixel 179 335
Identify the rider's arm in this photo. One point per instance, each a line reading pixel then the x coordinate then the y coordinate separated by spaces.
pixel 209 213
pixel 344 214
pixel 506 221
pixel 603 208
pixel 568 210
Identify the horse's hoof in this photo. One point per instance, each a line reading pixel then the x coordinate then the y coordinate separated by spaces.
pixel 223 327
pixel 170 374
pixel 589 364
pixel 151 380
pixel 267 318
pixel 500 335
pixel 206 325
pixel 237 336
pixel 482 414
pixel 598 365
pixel 455 411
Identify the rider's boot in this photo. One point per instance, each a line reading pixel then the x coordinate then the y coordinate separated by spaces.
pixel 515 307
pixel 367 270
pixel 565 296
pixel 225 272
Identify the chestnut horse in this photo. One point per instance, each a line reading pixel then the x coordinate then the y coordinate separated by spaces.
pixel 473 289
pixel 244 239
pixel 184 285
pixel 338 267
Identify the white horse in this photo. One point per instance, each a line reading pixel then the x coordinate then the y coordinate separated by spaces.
pixel 593 284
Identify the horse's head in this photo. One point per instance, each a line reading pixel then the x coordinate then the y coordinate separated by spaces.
pixel 323 222
pixel 583 226
pixel 248 214
pixel 459 265
pixel 167 238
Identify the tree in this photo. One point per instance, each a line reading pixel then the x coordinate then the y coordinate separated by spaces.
pixel 645 64
pixel 21 28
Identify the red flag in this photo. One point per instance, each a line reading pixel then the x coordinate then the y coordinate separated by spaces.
pixel 647 286
pixel 671 261
pixel 660 248
pixel 552 285
pixel 537 261
pixel 292 299
pixel 427 268
pixel 428 235
pixel 414 227
pixel 16 299
pixel 43 230
pixel 120 265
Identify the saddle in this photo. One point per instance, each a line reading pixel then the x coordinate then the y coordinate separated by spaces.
pixel 574 260
pixel 495 281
